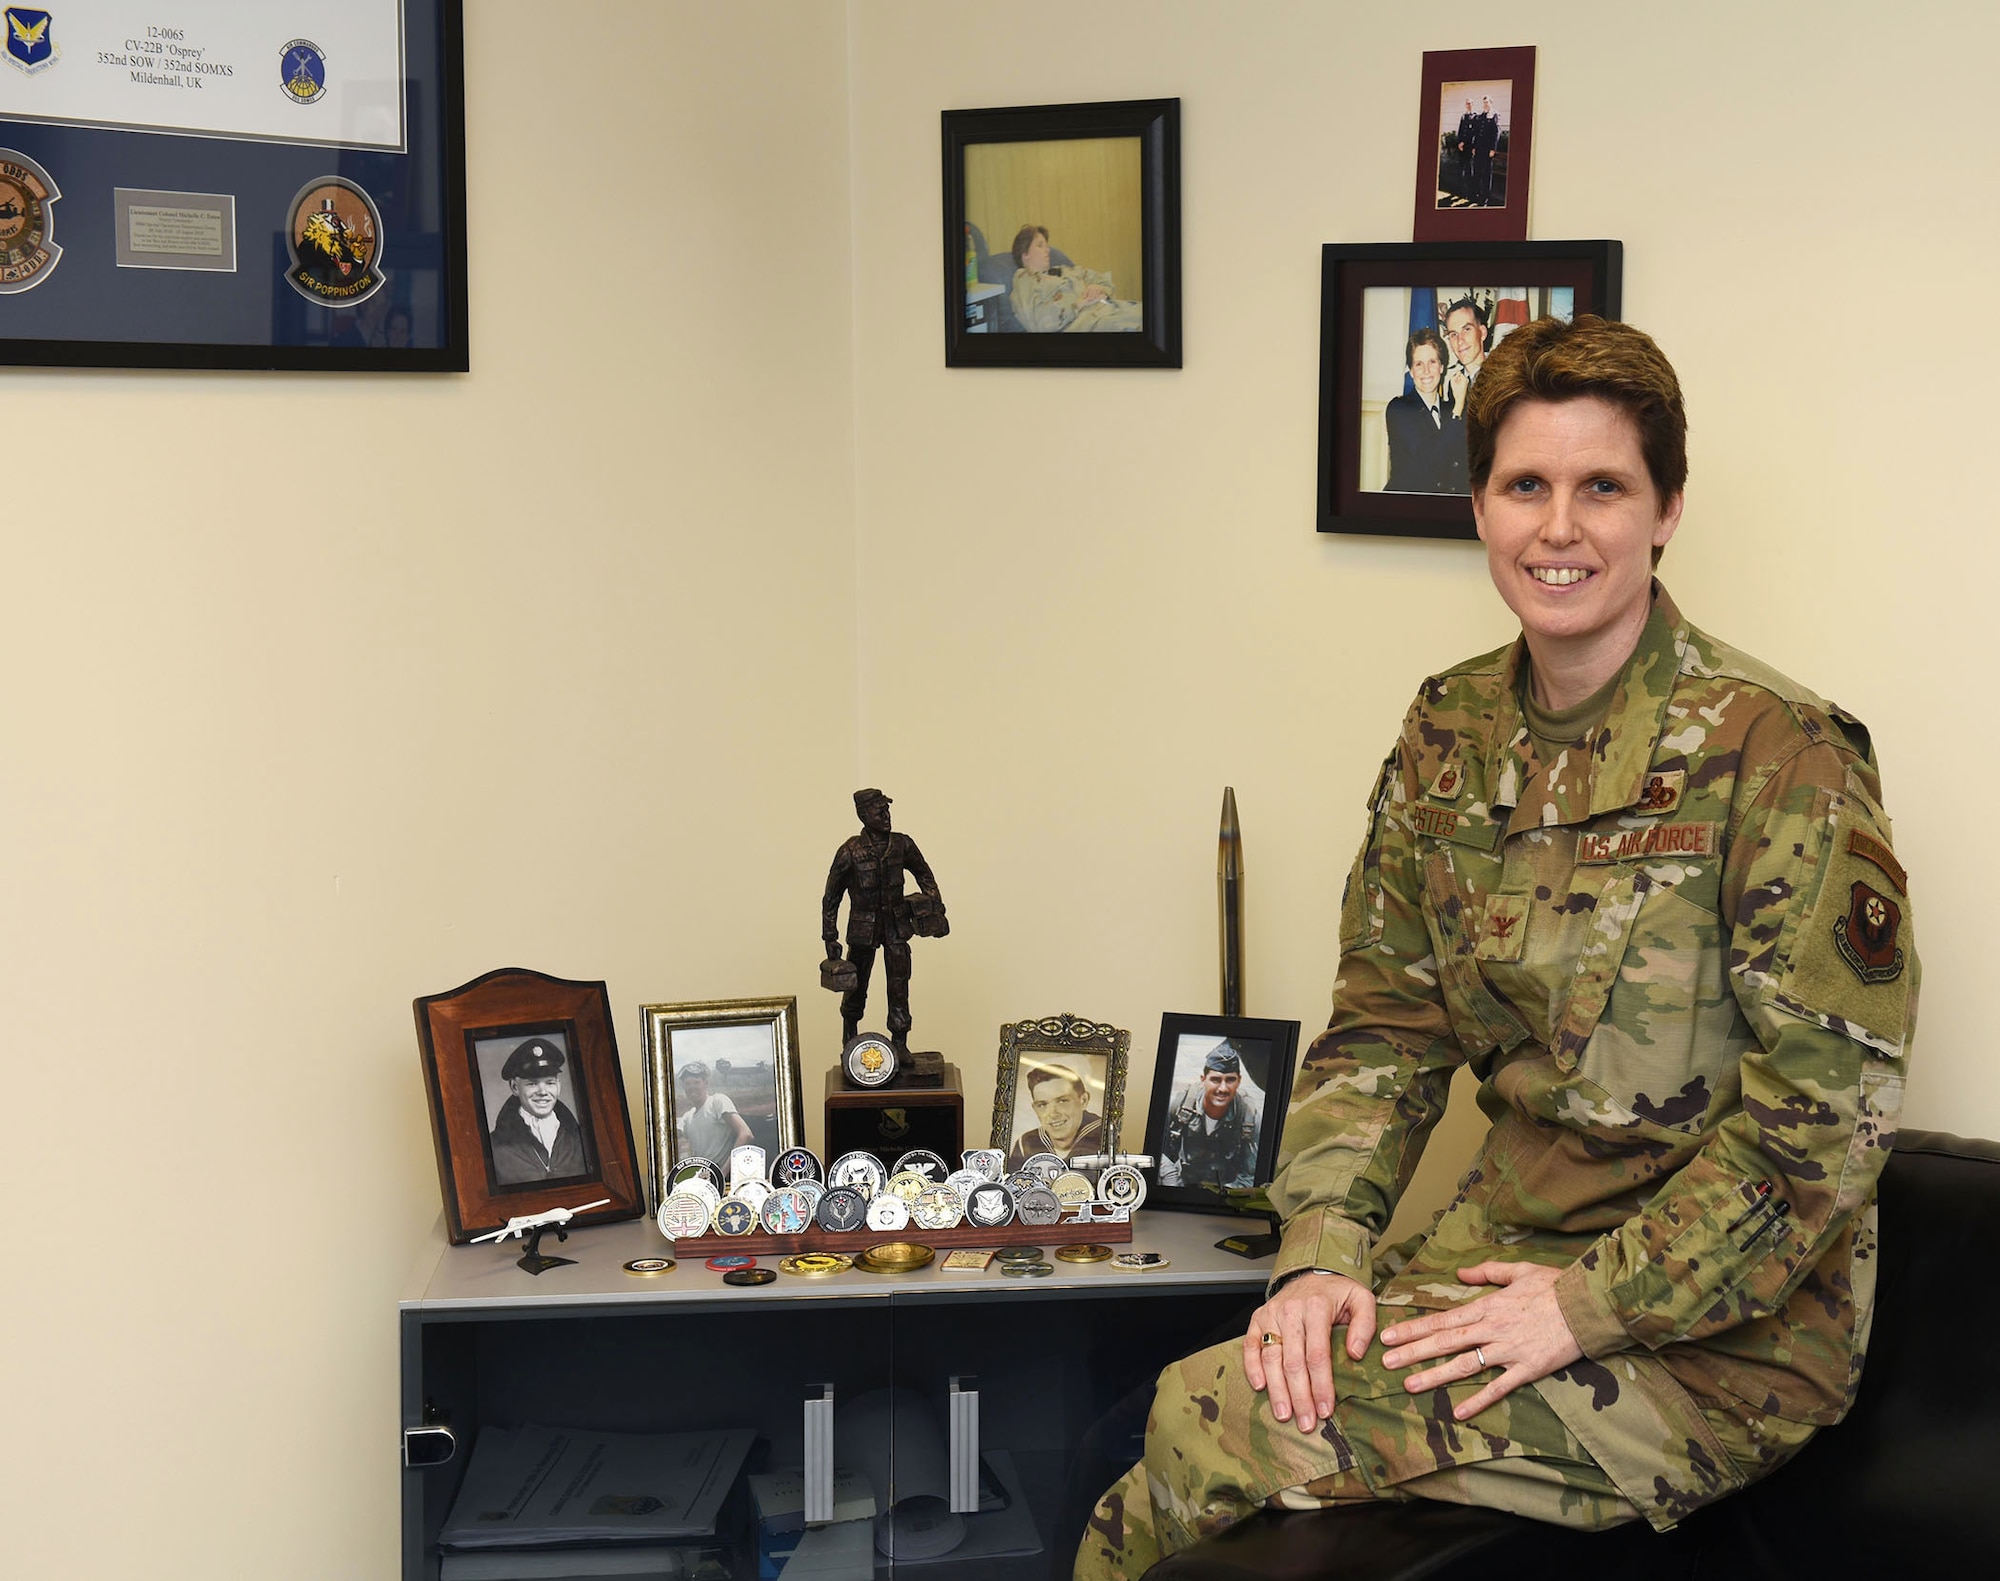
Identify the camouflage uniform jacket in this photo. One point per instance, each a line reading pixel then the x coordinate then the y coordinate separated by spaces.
pixel 1680 964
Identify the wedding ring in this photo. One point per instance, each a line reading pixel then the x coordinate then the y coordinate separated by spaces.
pixel 1269 1339
pixel 1482 1357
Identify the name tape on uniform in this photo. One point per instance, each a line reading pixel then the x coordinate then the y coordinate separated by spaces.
pixel 1632 845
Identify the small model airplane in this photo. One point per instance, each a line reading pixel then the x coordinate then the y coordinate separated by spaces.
pixel 522 1224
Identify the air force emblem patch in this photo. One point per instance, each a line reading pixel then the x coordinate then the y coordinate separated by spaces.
pixel 30 42
pixel 1866 936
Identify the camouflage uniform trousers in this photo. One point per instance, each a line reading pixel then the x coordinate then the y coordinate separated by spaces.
pixel 1215 1454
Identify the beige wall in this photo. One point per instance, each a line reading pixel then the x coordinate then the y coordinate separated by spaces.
pixel 579 689
pixel 562 683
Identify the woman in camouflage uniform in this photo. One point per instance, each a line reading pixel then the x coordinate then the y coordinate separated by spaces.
pixel 1643 886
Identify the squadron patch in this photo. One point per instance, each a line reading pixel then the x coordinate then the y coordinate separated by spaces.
pixel 334 232
pixel 302 71
pixel 1866 936
pixel 31 45
pixel 28 250
pixel 1662 792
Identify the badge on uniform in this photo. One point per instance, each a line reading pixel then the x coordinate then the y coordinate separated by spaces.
pixel 1866 936
pixel 1503 930
pixel 1662 792
pixel 1450 781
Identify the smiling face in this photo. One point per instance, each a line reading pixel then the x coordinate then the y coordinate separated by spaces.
pixel 1570 518
pixel 537 1094
pixel 1426 368
pixel 1059 1107
pixel 1467 336
pixel 1218 1091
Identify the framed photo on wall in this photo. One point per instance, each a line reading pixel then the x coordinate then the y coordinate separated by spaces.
pixel 213 184
pixel 527 1103
pixel 1475 139
pixel 1060 1088
pixel 1221 1085
pixel 1062 236
pixel 720 1074
pixel 1404 331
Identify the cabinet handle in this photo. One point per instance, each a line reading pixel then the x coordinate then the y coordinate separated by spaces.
pixel 964 1445
pixel 819 1456
pixel 430 1445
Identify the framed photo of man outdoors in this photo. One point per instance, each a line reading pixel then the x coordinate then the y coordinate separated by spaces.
pixel 527 1103
pixel 1221 1085
pixel 1060 1088
pixel 1404 335
pixel 720 1074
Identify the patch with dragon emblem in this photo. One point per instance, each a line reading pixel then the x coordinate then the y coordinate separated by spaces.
pixel 334 231
pixel 31 45
pixel 28 250
pixel 1866 936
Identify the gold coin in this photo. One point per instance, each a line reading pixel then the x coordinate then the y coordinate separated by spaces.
pixel 895 1257
pixel 649 1267
pixel 1090 1253
pixel 817 1265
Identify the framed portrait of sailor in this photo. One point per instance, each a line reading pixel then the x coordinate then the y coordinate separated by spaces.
pixel 526 1100
pixel 1221 1085
pixel 198 185
pixel 1060 1090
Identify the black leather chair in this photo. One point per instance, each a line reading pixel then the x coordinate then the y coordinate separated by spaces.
pixel 1907 1485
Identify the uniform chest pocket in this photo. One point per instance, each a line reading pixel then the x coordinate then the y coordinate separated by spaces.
pixel 1651 1019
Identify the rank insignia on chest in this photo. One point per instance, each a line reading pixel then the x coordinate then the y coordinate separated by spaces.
pixel 1450 781
pixel 1866 936
pixel 1662 791
pixel 1503 929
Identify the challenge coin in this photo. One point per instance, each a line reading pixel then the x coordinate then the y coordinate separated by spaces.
pixel 1022 1180
pixel 794 1165
pixel 1020 1254
pixel 907 1184
pixel 753 1192
pixel 938 1207
pixel 1027 1270
pixel 963 1180
pixel 1090 1253
pixel 895 1257
pixel 1038 1206
pixel 869 1060
pixel 749 1276
pixel 987 1161
pixel 921 1161
pixel 1044 1166
pixel 1122 1186
pixel 682 1214
pixel 696 1186
pixel 817 1265
pixel 811 1191
pixel 1141 1262
pixel 734 1216
pixel 649 1267
pixel 696 1169
pixel 723 1264
pixel 888 1212
pixel 842 1209
pixel 1072 1189
pixel 746 1163
pixel 785 1212
pixel 863 1172
pixel 989 1205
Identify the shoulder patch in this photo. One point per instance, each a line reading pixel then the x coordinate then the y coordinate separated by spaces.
pixel 1866 936
pixel 1866 846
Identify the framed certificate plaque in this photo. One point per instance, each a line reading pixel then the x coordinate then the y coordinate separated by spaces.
pixel 209 184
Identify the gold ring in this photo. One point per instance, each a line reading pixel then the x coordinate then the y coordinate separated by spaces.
pixel 1270 1339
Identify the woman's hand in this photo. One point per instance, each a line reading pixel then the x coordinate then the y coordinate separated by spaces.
pixel 1518 1328
pixel 1296 1370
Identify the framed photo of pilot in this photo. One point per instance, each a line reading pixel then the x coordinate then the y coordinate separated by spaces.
pixel 527 1102
pixel 1060 1088
pixel 720 1074
pixel 1221 1085
pixel 1062 236
pixel 1475 139
pixel 1404 333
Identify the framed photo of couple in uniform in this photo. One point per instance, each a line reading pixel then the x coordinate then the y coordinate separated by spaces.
pixel 1221 1085
pixel 1404 333
pixel 527 1102
pixel 720 1074
pixel 1475 138
pixel 1060 1088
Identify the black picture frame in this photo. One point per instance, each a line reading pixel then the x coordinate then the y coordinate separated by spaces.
pixel 100 304
pixel 1589 270
pixel 980 327
pixel 1267 1053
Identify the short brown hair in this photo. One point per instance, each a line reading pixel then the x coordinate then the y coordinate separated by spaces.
pixel 1024 238
pixel 1550 360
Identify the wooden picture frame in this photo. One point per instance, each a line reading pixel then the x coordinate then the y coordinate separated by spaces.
pixel 1195 1167
pixel 1089 1058
pixel 747 1051
pixel 1104 180
pixel 1472 179
pixel 1375 474
pixel 490 1166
